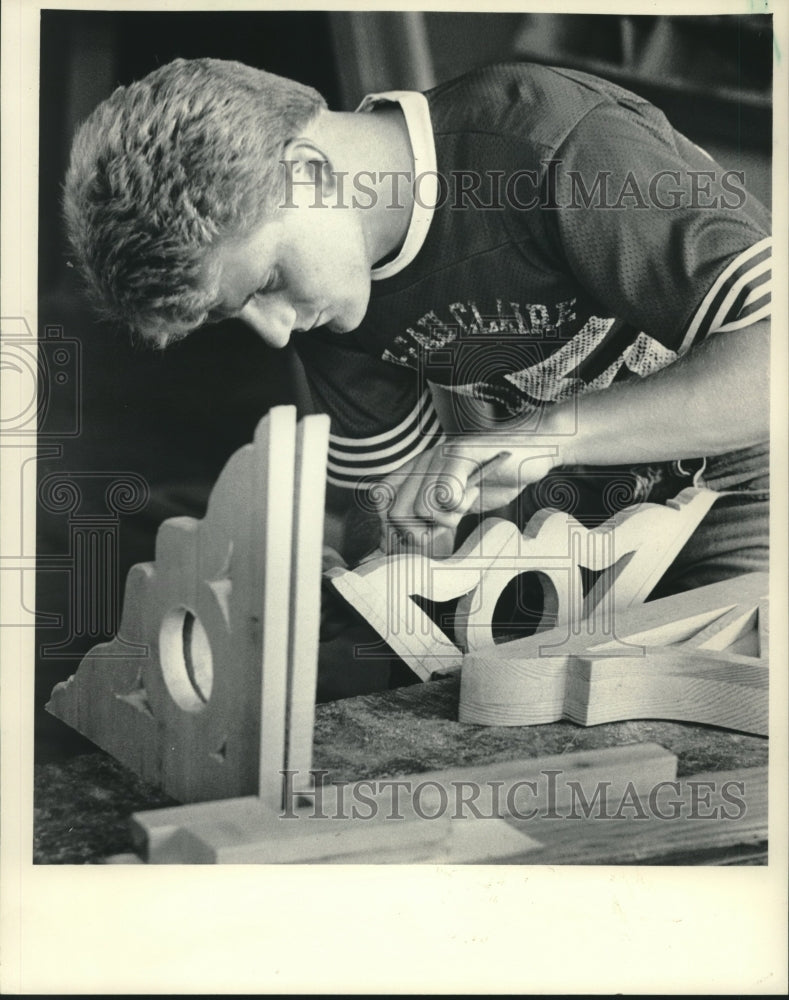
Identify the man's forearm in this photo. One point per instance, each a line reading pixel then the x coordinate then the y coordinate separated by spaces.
pixel 713 400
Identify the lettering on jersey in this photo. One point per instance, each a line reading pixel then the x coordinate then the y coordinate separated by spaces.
pixel 430 332
pixel 554 380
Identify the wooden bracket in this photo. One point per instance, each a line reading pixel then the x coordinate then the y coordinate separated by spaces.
pixel 221 697
pixel 631 551
pixel 698 656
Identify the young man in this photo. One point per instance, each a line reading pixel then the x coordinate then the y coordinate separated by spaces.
pixel 510 284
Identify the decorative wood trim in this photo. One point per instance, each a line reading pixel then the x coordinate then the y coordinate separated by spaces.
pixel 667 659
pixel 206 676
pixel 632 550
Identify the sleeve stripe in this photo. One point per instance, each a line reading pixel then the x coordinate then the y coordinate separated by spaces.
pixel 744 264
pixel 362 458
pixel 750 293
pixel 728 310
pixel 748 320
pixel 752 307
pixel 342 443
pixel 352 460
pixel 350 478
pixel 348 457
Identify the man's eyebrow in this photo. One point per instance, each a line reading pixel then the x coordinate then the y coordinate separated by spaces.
pixel 220 311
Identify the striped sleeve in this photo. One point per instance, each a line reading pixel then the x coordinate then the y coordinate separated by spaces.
pixel 352 461
pixel 739 297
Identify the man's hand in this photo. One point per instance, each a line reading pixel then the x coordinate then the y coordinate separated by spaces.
pixel 429 495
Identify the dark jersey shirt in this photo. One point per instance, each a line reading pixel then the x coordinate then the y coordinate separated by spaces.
pixel 577 239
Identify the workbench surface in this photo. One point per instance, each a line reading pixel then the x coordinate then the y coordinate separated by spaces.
pixel 82 805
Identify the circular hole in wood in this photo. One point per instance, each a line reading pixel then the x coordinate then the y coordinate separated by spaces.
pixel 527 604
pixel 187 664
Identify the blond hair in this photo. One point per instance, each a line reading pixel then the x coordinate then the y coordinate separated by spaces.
pixel 166 168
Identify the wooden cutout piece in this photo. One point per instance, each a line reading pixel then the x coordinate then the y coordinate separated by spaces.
pixel 202 712
pixel 636 545
pixel 728 629
pixel 677 682
pixel 381 591
pixel 557 674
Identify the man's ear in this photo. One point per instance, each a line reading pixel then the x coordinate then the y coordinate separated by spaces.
pixel 309 175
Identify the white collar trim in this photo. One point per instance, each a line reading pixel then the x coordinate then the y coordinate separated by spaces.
pixel 420 133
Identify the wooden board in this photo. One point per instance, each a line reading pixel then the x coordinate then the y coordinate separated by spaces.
pixel 668 659
pixel 630 551
pixel 456 816
pixel 717 817
pixel 192 694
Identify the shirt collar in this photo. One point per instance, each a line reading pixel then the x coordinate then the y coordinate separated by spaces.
pixel 420 133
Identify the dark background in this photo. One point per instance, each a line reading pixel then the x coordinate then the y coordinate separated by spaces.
pixel 173 418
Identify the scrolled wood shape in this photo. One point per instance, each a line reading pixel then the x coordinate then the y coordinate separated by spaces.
pixel 698 656
pixel 631 551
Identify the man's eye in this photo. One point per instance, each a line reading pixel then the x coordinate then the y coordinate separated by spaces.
pixel 270 284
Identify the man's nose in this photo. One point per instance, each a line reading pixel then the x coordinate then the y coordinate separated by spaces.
pixel 272 319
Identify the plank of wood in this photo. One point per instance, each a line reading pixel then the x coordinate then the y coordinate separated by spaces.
pixel 412 818
pixel 312 443
pixel 698 819
pixel 153 830
pixel 254 836
pixel 536 680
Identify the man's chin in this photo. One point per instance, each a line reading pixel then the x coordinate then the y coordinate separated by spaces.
pixel 342 324
pixel 349 316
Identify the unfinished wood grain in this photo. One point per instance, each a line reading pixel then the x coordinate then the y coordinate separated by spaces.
pixel 677 683
pixel 763 629
pixel 268 577
pixel 382 591
pixel 202 712
pixel 312 442
pixel 708 818
pixel 631 551
pixel 638 544
pixel 642 664
pixel 456 815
